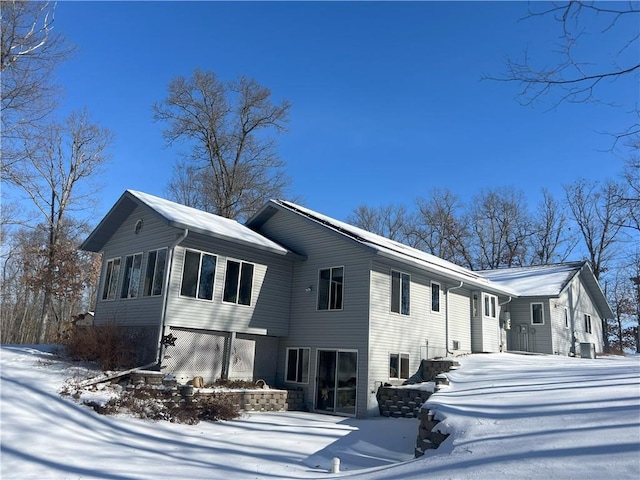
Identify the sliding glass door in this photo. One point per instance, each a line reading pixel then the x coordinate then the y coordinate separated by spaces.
pixel 336 383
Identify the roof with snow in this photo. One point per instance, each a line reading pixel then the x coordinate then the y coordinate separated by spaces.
pixel 387 247
pixel 178 216
pixel 539 280
pixel 550 281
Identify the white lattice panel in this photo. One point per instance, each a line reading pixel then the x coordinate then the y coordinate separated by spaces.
pixel 196 353
pixel 242 358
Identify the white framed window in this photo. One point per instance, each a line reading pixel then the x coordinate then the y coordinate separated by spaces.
pixel 238 282
pixel 154 275
pixel 399 365
pixel 297 365
pixel 330 288
pixel 198 274
pixel 490 302
pixel 566 318
pixel 435 297
pixel 537 314
pixel 475 304
pixel 400 292
pixel 131 276
pixel 111 279
pixel 587 323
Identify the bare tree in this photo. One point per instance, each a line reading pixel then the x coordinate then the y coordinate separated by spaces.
pixel 58 175
pixel 551 240
pixel 577 76
pixel 232 164
pixel 599 217
pixel 500 222
pixel 629 199
pixel 442 229
pixel 390 221
pixel 29 52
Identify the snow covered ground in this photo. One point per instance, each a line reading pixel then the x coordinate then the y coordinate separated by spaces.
pixel 509 416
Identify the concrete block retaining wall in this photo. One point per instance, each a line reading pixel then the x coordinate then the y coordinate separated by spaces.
pixel 254 400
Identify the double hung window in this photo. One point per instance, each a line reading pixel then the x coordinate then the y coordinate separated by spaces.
pixel 537 314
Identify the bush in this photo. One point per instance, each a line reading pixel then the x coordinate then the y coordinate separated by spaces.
pixel 158 404
pixel 106 345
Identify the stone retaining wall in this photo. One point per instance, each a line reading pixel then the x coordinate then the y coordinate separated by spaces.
pixel 401 402
pixel 427 438
pixel 248 400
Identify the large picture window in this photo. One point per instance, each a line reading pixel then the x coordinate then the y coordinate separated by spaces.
pixel 399 365
pixel 111 279
pixel 238 282
pixel 154 276
pixel 131 279
pixel 298 365
pixel 198 275
pixel 330 285
pixel 537 314
pixel 400 292
pixel 435 297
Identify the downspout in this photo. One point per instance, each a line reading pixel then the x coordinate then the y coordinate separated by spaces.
pixel 165 298
pixel 446 316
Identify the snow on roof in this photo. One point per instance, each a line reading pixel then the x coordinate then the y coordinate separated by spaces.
pixel 206 223
pixel 540 280
pixel 398 250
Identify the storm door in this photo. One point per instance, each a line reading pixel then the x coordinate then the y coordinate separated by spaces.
pixel 336 381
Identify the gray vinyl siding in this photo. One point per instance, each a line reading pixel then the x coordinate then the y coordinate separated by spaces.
pixel 422 333
pixel 577 296
pixel 524 336
pixel 345 329
pixel 268 312
pixel 155 234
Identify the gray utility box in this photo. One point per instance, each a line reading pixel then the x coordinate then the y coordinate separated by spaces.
pixel 587 350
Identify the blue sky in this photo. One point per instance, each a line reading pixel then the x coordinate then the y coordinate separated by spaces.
pixel 387 98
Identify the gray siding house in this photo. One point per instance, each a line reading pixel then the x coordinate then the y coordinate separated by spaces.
pixel 558 308
pixel 301 300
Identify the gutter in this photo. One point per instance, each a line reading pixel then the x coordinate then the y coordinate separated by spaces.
pixel 165 297
pixel 446 316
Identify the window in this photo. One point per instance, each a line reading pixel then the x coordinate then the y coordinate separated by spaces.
pixel 435 297
pixel 537 314
pixel 400 284
pixel 154 276
pixel 587 323
pixel 111 279
pixel 566 318
pixel 131 279
pixel 238 282
pixel 330 288
pixel 198 274
pixel 298 365
pixel 399 365
pixel 475 309
pixel 490 302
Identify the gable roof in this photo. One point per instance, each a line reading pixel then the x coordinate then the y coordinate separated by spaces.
pixel 384 246
pixel 550 281
pixel 178 216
